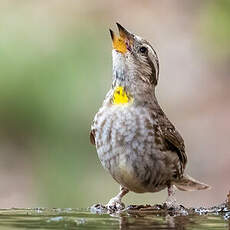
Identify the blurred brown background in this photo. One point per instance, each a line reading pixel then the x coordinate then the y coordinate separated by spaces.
pixel 55 69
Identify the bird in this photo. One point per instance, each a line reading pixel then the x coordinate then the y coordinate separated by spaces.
pixel 135 141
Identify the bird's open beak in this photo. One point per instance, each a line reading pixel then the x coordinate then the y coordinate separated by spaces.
pixel 121 43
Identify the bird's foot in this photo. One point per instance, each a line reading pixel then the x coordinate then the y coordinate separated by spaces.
pixel 171 202
pixel 115 204
pixel 172 205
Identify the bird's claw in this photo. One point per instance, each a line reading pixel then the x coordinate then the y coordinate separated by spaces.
pixel 115 204
pixel 171 204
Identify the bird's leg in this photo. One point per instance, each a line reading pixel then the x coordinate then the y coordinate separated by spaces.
pixel 171 191
pixel 171 200
pixel 115 202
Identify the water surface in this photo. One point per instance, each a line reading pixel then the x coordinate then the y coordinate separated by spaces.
pixel 41 218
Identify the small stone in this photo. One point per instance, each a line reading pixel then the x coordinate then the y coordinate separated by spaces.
pixel 98 208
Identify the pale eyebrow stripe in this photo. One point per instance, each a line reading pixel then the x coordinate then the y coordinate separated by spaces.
pixel 155 61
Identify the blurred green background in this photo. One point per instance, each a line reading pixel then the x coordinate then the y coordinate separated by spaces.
pixel 55 69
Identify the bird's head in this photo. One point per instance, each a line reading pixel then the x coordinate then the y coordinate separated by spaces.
pixel 135 62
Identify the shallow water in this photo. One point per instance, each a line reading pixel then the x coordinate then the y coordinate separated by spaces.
pixel 40 218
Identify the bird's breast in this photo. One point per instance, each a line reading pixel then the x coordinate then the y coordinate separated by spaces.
pixel 123 130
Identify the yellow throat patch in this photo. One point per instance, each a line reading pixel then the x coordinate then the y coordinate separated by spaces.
pixel 120 96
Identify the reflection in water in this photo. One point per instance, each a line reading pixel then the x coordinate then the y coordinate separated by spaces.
pixel 173 222
pixel 154 222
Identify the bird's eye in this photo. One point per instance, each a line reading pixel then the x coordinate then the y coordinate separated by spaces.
pixel 143 50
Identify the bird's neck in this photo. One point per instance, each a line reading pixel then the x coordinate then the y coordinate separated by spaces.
pixel 124 93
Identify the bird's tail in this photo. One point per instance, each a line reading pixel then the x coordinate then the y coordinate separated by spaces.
pixel 188 183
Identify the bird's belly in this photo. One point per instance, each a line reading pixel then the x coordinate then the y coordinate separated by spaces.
pixel 126 148
pixel 124 173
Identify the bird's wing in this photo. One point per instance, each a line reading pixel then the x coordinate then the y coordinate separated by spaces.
pixel 173 140
pixel 92 136
pixel 175 143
